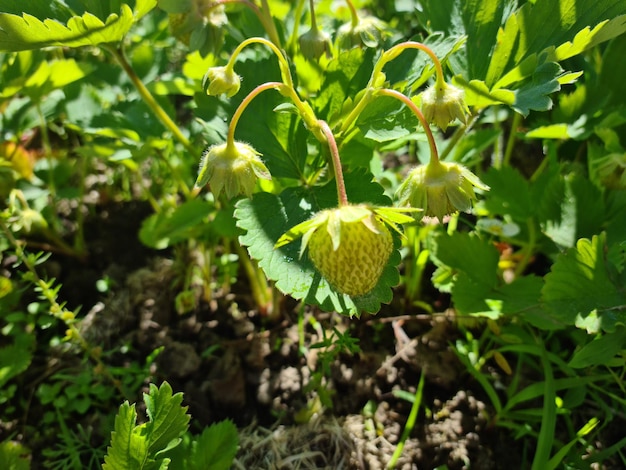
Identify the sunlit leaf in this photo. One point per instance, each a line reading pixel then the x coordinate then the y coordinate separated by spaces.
pixel 26 31
pixel 579 285
pixel 137 447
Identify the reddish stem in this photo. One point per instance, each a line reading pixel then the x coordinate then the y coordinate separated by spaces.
pixel 434 155
pixel 334 152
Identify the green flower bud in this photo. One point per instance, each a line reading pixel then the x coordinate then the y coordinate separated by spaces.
pixel 220 80
pixel 314 43
pixel 440 189
pixel 234 168
pixel 368 32
pixel 443 104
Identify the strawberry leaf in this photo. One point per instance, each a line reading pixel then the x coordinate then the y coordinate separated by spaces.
pixel 26 31
pixel 295 275
pixel 215 448
pixel 580 288
pixel 138 447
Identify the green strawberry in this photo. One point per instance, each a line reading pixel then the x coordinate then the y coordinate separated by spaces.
pixel 350 252
pixel 350 245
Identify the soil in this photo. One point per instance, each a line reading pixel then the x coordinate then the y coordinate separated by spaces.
pixel 230 361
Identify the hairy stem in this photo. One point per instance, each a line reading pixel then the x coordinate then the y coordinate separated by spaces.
pixel 230 138
pixel 342 197
pixel 354 16
pixel 434 155
pixel 284 65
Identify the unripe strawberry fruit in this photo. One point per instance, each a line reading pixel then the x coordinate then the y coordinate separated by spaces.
pixel 350 249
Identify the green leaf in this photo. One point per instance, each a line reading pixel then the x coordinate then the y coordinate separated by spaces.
pixel 345 75
pixel 475 262
pixel 601 350
pixel 482 20
pixel 125 452
pixel 14 456
pixel 578 289
pixel 215 448
pixel 587 37
pixel 509 193
pixel 168 419
pixel 138 447
pixel 15 358
pixel 19 33
pixel 47 77
pixel 386 119
pixel 540 26
pixel 534 95
pixel 582 211
pixel 478 95
pixel 297 276
pixel 168 228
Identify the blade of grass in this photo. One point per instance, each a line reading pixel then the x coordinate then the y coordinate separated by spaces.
pixel 410 422
pixel 482 380
pixel 548 420
pixel 560 455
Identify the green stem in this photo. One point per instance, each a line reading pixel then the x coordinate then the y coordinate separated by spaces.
pixel 293 38
pixel 545 439
pixel 356 111
pixel 458 133
pixel 353 14
pixel 313 19
pixel 155 107
pixel 395 51
pixel 230 138
pixel 306 112
pixel 268 23
pixel 410 423
pixel 434 155
pixel 373 83
pixel 283 64
pixel 510 144
pixel 342 197
pixel 528 249
pixel 264 16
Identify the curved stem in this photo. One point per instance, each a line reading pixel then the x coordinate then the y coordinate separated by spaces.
pixel 353 13
pixel 342 197
pixel 283 64
pixel 395 51
pixel 313 19
pixel 434 155
pixel 230 138
pixel 356 111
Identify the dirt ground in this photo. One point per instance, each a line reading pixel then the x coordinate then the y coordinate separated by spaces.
pixel 232 362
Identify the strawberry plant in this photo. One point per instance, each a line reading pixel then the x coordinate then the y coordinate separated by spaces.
pixel 407 159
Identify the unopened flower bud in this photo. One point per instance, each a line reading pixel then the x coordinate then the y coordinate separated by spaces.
pixel 442 104
pixel 368 32
pixel 440 188
pixel 234 168
pixel 220 80
pixel 314 43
